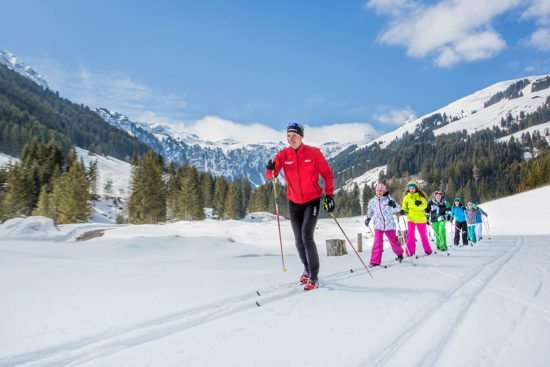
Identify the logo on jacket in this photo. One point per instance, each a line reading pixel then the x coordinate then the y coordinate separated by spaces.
pixel 289 162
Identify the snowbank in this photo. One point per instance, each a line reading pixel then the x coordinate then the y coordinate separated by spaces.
pixel 522 214
pixel 29 228
pixel 261 217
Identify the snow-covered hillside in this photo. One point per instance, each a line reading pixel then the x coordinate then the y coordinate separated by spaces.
pixel 470 114
pixel 185 294
pixel 109 169
pixel 6 159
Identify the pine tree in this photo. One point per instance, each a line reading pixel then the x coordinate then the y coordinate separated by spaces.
pixel 189 198
pixel 231 203
pixel 207 189
pixel 220 189
pixel 147 203
pixel 92 175
pixel 71 191
pixel 44 206
pixel 16 197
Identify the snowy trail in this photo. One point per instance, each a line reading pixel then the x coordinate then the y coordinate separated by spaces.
pixel 440 321
pixel 102 345
pixel 183 294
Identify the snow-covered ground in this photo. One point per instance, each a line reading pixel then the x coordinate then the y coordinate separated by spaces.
pixel 6 159
pixel 109 168
pixel 185 293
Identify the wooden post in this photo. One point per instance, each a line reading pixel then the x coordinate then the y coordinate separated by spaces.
pixel 360 242
pixel 336 247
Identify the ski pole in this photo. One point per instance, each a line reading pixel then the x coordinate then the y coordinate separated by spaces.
pixel 351 244
pixel 486 222
pixel 371 232
pixel 403 237
pixel 278 221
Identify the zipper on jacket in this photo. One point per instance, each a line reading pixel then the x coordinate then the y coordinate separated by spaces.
pixel 381 213
pixel 298 170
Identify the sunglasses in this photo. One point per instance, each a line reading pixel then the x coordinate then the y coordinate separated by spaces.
pixel 438 192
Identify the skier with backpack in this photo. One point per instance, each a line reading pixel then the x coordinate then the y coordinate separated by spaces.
pixel 458 217
pixel 381 209
pixel 302 165
pixel 439 212
pixel 414 205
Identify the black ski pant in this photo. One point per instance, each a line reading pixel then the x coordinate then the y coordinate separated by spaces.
pixel 461 228
pixel 303 218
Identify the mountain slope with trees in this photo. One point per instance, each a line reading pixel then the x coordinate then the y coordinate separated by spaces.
pixel 28 111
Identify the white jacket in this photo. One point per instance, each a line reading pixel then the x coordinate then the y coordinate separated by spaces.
pixel 381 213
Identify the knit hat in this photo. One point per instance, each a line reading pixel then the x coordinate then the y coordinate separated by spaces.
pixel 412 183
pixel 295 128
pixel 458 199
pixel 380 186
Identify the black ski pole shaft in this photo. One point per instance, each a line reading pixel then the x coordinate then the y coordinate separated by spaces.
pixel 351 244
pixel 278 222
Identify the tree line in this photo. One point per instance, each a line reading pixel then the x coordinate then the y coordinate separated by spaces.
pixel 45 182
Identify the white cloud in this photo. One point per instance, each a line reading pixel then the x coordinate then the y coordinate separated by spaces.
pixel 114 90
pixel 215 128
pixel 530 69
pixel 450 31
pixel 396 117
pixel 539 39
pixel 539 10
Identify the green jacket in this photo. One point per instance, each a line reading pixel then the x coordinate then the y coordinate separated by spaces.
pixel 415 213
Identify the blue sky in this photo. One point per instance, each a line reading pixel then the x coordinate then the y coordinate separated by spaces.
pixel 322 63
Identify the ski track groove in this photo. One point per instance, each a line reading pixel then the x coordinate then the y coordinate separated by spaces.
pixel 103 344
pixel 405 336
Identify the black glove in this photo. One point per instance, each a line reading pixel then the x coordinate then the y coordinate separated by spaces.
pixel 392 203
pixel 367 221
pixel 417 202
pixel 402 212
pixel 328 204
pixel 442 205
pixel 270 165
pixel 448 218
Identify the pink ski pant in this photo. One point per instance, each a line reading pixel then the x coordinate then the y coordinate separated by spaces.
pixel 411 240
pixel 378 245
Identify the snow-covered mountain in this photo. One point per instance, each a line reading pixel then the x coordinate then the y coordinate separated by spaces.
pixel 229 158
pixel 11 62
pixel 480 110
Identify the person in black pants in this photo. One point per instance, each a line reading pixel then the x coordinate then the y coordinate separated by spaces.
pixel 302 165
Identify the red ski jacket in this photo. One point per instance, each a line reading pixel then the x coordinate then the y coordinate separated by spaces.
pixel 302 168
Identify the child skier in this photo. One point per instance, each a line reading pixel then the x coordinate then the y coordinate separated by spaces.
pixel 479 221
pixel 458 217
pixel 382 208
pixel 439 211
pixel 414 204
pixel 471 214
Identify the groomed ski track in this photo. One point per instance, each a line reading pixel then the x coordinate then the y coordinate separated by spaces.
pixel 424 315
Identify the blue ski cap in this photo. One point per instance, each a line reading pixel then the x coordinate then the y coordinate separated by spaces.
pixel 412 183
pixel 295 128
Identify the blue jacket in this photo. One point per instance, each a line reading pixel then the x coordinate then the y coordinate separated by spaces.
pixel 480 213
pixel 458 214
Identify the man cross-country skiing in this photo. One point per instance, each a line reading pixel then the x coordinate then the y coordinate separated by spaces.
pixel 302 164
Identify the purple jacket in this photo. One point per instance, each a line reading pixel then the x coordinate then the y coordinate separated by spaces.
pixel 381 213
